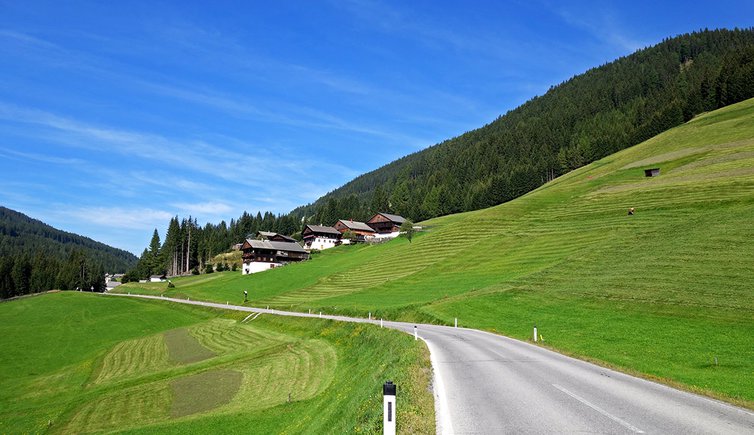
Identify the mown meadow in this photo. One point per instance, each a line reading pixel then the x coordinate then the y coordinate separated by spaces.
pixel 665 293
pixel 87 363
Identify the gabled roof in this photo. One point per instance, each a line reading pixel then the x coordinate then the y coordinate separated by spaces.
pixel 275 246
pixel 393 217
pixel 323 229
pixel 357 226
pixel 269 235
pixel 284 238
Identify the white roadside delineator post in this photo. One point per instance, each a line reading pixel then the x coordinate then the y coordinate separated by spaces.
pixel 370 315
pixel 380 323
pixel 388 408
pixel 456 323
pixel 416 334
pixel 535 333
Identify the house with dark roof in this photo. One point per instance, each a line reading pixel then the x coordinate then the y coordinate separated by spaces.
pixel 385 223
pixel 360 229
pixel 320 237
pixel 261 255
pixel 274 237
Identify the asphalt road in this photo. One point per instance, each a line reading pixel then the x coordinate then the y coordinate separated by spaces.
pixel 490 384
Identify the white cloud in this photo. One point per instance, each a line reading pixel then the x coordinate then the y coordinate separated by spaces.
pixel 40 157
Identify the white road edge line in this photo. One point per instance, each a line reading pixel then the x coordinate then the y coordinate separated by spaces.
pixel 444 423
pixel 600 410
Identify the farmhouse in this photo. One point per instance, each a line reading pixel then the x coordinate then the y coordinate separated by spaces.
pixel 360 229
pixel 320 237
pixel 385 223
pixel 261 255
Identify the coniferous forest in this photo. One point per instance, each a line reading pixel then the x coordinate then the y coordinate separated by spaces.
pixel 590 116
pixel 36 257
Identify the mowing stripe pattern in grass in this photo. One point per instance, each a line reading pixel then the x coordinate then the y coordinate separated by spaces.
pixel 134 357
pixel 302 371
pixel 123 409
pixel 227 336
pixel 260 369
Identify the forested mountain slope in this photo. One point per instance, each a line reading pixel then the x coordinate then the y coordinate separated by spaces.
pixel 588 117
pixel 35 256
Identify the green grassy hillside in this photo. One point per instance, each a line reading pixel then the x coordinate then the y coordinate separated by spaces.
pixel 83 363
pixel 666 292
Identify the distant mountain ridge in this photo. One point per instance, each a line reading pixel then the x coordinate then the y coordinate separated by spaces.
pixel 23 235
pixel 592 115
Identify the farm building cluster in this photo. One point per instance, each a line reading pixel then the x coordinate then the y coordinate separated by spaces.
pixel 272 250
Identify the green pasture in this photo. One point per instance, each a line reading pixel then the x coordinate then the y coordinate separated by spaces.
pixel 664 293
pixel 85 363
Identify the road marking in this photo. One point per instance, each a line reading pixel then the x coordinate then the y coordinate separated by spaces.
pixel 442 409
pixel 600 410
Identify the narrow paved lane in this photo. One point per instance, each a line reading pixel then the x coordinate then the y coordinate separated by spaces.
pixel 489 384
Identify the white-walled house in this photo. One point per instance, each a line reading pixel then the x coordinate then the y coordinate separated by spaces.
pixel 320 237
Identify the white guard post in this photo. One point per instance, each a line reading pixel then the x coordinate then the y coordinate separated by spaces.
pixel 388 408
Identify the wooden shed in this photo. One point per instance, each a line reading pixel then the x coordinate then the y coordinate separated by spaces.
pixel 653 172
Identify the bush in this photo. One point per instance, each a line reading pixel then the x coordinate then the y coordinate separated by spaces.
pixel 170 284
pixel 220 267
pixel 195 270
pixel 208 268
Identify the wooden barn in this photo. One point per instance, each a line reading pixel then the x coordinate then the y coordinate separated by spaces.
pixel 385 223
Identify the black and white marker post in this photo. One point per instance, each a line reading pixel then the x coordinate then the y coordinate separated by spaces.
pixel 388 408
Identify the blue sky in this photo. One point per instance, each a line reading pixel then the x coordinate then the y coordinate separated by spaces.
pixel 116 116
